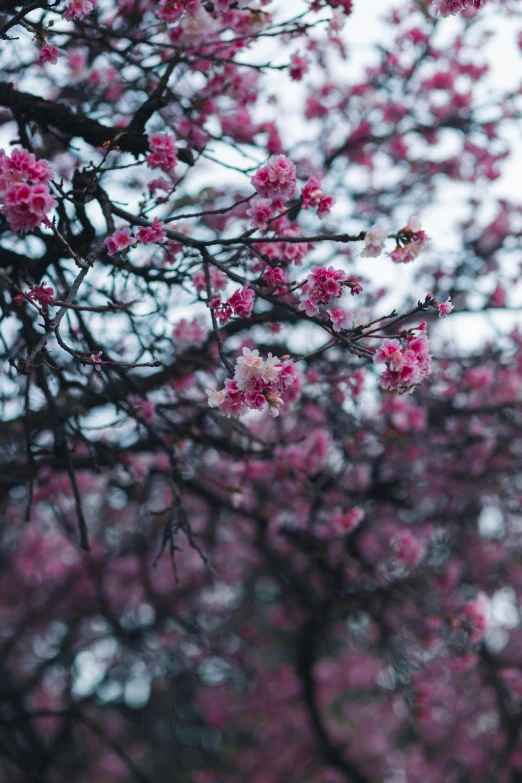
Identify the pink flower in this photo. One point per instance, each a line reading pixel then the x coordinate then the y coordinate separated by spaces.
pixel 474 618
pixel 452 7
pixel 76 60
pixel 242 302
pixel 406 367
pixel 216 397
pixel 222 310
pixel 325 284
pixel 260 211
pixel 445 308
pixel 342 523
pixel 407 549
pixel 353 284
pixel 44 295
pixel 218 280
pixel 78 9
pixel 411 242
pixel 164 152
pixel 298 67
pixel 48 54
pixel 144 408
pixel 374 240
pixel 171 11
pixel 160 183
pixel 24 189
pixel 150 234
pixel 313 196
pixel 390 352
pixel 96 359
pixel 189 333
pixel 277 180
pixel 256 384
pixel 341 319
pixel 248 367
pixel 120 240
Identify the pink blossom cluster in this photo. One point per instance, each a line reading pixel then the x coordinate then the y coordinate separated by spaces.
pixel 405 367
pixel 24 190
pixel 341 319
pixel 48 54
pixel 256 383
pixel 148 235
pixel 78 9
pixel 163 152
pixel 298 67
pixel 314 197
pixel 119 241
pixel 324 283
pixel 404 415
pixel 374 240
pixel 42 294
pixel 144 408
pixel 341 523
pixel 445 307
pixel 353 284
pixel 290 252
pixel 171 11
pixel 411 242
pixel 474 618
pixel 189 333
pixel 276 279
pixel 407 549
pixel 261 212
pixel 218 279
pixel 241 303
pixel 276 181
pixel 452 7
pixel 160 183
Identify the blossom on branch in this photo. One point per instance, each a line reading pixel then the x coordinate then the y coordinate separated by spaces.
pixel 257 383
pixel 406 365
pixel 24 189
pixel 276 181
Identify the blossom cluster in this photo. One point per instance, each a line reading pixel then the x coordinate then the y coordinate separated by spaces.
pixel 42 294
pixel 241 303
pixel 410 243
pixel 24 189
pixel 408 551
pixel 374 240
pixel 256 383
pixel 48 54
pixel 276 181
pixel 171 11
pixel 218 279
pixel 123 238
pixel 163 152
pixel 314 197
pixel 405 367
pixel 452 7
pixel 78 9
pixel 290 252
pixel 324 283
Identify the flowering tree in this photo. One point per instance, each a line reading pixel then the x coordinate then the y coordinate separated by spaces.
pixel 260 513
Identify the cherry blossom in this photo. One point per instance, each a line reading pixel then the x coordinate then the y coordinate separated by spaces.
pixel 78 9
pixel 341 319
pixel 276 181
pixel 119 241
pixel 374 241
